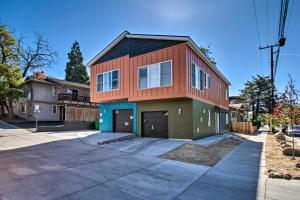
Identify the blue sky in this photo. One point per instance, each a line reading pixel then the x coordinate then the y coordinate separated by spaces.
pixel 228 26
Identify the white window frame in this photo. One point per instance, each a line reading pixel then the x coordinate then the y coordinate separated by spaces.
pixel 148 80
pixel 111 80
pixel 207 83
pixel 226 118
pixel 219 89
pixel 55 109
pixel 54 91
pixel 197 67
pixel 226 93
pixel 232 113
pixel 25 108
pixel 208 118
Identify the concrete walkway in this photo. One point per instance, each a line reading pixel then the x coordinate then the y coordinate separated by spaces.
pixel 240 175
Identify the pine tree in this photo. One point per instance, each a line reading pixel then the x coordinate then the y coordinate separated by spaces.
pixel 75 69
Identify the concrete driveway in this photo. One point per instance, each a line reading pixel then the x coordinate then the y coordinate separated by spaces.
pixel 50 166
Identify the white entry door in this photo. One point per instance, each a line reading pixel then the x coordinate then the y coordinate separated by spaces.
pixel 217 122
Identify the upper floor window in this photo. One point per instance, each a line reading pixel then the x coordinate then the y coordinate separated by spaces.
pixel 197 77
pixel 207 81
pixel 23 108
pixel 54 90
pixel 155 75
pixel 108 81
pixel 226 94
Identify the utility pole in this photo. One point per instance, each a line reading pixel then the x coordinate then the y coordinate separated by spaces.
pixel 280 43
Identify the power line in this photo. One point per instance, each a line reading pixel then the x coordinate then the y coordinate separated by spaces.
pixel 258 35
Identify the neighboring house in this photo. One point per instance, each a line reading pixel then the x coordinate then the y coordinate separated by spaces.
pixel 159 86
pixel 237 112
pixel 57 100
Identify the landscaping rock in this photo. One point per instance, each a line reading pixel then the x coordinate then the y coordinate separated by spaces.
pixel 275 174
pixel 288 151
pixel 280 136
pixel 285 146
pixel 282 142
pixel 296 177
pixel 298 165
pixel 287 176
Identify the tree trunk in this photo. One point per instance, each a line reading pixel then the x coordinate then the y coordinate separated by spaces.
pixel 2 109
pixel 10 109
pixel 257 107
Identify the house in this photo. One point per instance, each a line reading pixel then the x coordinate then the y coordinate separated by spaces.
pixel 237 112
pixel 56 100
pixel 158 86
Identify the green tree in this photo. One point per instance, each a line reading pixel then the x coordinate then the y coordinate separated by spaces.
pixel 75 69
pixel 289 105
pixel 10 74
pixel 207 52
pixel 257 96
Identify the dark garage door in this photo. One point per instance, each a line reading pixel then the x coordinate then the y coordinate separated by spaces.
pixel 123 121
pixel 155 124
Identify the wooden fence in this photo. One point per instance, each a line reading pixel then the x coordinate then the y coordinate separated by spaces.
pixel 77 114
pixel 243 127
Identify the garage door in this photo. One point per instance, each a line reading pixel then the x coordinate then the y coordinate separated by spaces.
pixel 123 121
pixel 155 124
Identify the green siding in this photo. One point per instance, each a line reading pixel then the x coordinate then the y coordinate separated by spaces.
pixel 179 126
pixel 223 126
pixel 201 129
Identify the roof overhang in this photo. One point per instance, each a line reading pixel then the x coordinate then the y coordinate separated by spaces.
pixel 187 39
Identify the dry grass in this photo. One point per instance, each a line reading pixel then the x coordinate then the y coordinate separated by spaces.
pixel 275 160
pixel 201 155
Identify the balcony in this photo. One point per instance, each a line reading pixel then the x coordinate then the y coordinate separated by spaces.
pixel 75 100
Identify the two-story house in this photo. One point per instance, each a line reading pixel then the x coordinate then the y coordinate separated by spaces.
pixel 56 100
pixel 158 86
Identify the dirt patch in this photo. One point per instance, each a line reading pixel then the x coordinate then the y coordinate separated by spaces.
pixel 193 153
pixel 275 160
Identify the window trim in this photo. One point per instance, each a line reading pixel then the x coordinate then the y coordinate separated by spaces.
pixel 147 66
pixel 111 80
pixel 55 110
pixel 226 94
pixel 208 118
pixel 53 86
pixel 25 108
pixel 206 85
pixel 199 89
pixel 226 118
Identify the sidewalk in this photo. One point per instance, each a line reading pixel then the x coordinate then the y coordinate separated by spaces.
pixel 240 175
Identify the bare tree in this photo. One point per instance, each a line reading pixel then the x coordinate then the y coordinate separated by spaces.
pixel 38 56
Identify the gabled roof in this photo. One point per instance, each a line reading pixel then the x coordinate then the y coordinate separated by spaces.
pixel 55 81
pixel 187 39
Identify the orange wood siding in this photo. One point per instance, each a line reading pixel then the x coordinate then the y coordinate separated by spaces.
pixel 122 64
pixel 178 88
pixel 181 56
pixel 206 95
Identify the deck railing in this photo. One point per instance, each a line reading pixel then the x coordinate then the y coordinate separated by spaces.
pixel 74 99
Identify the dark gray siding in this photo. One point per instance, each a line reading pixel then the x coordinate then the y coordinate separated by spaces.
pixel 134 47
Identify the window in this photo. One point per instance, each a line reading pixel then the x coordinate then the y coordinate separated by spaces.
pixel 233 114
pixel 207 81
pixel 29 95
pixel 208 112
pixel 219 89
pixel 23 108
pixel 54 90
pixel 197 77
pixel 54 109
pixel 227 118
pixel 143 73
pixel 108 81
pixel 226 94
pixel 155 75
